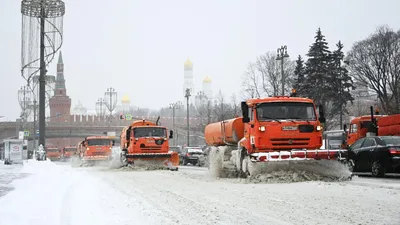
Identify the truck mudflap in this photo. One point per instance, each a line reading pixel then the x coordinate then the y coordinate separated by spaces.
pixel 320 154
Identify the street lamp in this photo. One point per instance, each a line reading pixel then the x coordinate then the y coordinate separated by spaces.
pixel 100 107
pixel 187 95
pixel 110 97
pixel 174 106
pixel 24 99
pixel 340 91
pixel 281 55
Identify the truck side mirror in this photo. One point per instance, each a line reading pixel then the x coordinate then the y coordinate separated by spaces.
pixel 345 127
pixel 321 114
pixel 171 134
pixel 113 142
pixel 245 112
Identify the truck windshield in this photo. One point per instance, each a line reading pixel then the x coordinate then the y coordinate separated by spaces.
pixel 103 142
pixel 285 110
pixel 149 132
pixel 52 150
pixel 70 149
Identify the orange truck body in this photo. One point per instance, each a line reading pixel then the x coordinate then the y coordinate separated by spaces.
pixel 68 151
pixel 144 140
pixel 53 153
pixel 266 133
pixel 95 148
pixel 387 125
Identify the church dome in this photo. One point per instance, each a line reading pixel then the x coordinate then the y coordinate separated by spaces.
pixel 126 100
pixel 207 79
pixel 188 64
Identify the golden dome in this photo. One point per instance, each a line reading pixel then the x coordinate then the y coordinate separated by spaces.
pixel 125 99
pixel 207 79
pixel 188 64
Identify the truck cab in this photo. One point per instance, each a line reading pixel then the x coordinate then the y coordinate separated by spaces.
pixel 53 153
pixel 359 127
pixel 96 146
pixel 145 136
pixel 68 151
pixel 281 123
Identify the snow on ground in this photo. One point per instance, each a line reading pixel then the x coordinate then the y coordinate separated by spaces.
pixel 96 195
pixel 8 173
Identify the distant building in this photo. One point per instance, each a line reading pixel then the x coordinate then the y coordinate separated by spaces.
pixel 188 79
pixel 60 103
pixel 126 103
pixel 207 88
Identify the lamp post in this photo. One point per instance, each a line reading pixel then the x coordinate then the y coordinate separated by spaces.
pixel 340 91
pixel 24 99
pixel 281 55
pixel 174 106
pixel 110 97
pixel 100 107
pixel 187 95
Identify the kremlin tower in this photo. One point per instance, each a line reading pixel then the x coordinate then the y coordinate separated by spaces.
pixel 60 103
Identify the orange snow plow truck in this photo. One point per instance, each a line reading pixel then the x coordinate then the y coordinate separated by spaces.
pixel 146 141
pixel 53 153
pixel 272 131
pixel 94 149
pixel 373 125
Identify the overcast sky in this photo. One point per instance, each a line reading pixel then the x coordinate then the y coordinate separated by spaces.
pixel 139 47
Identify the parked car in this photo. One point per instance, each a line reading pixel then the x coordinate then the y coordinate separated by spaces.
pixel 378 155
pixel 192 155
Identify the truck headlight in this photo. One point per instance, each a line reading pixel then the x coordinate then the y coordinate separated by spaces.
pixel 261 128
pixel 319 128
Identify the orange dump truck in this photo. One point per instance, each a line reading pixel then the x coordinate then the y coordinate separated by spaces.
pixel 67 152
pixel 95 148
pixel 53 153
pixel 146 141
pixel 373 125
pixel 272 129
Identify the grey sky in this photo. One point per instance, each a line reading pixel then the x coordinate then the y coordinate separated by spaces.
pixel 139 47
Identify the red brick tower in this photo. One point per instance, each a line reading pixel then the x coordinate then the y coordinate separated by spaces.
pixel 60 103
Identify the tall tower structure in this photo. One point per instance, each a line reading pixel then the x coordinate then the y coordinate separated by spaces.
pixel 60 103
pixel 207 88
pixel 188 78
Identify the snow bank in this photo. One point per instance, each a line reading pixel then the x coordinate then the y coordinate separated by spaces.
pixel 38 198
pixel 59 194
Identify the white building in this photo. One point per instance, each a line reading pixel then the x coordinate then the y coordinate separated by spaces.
pixel 207 88
pixel 188 79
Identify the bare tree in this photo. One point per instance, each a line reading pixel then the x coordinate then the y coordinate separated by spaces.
pixel 376 61
pixel 264 78
pixel 204 108
pixel 235 105
pixel 222 110
pixel 251 82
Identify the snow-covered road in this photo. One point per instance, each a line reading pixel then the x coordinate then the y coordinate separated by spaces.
pixel 74 196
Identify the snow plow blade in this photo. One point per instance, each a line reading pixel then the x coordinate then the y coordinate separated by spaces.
pixel 339 154
pixel 170 160
pixel 96 158
pixel 325 164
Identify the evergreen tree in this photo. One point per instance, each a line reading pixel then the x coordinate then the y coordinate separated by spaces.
pixel 339 80
pixel 299 75
pixel 317 69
